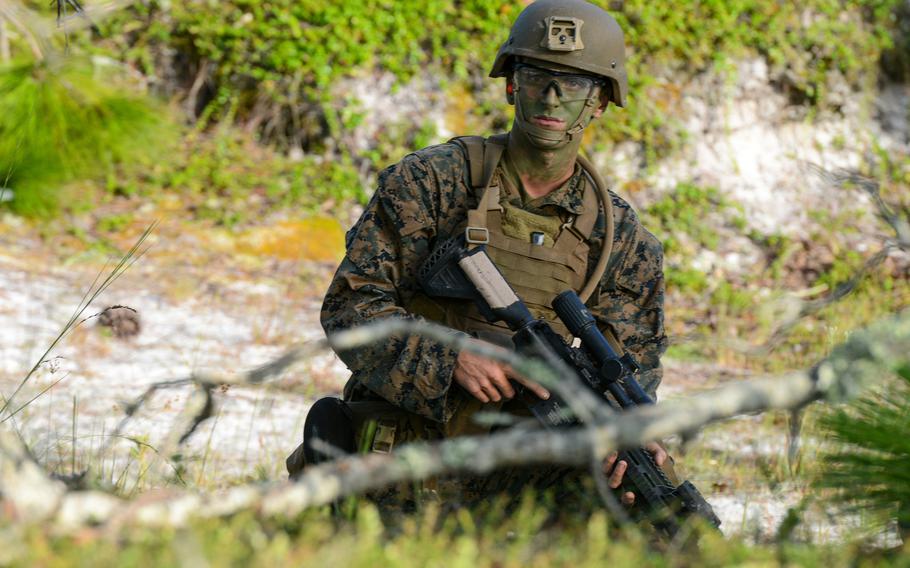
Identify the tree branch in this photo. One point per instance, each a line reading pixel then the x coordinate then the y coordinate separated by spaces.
pixel 865 359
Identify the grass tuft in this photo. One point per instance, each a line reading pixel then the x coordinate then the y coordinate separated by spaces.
pixel 62 120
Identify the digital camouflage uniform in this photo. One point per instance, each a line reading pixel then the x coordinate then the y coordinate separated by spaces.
pixel 427 198
pixel 422 201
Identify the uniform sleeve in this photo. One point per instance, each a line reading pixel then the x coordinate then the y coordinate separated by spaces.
pixel 376 280
pixel 631 296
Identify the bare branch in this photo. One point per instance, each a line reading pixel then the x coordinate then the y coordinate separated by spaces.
pixel 846 179
pixel 865 359
pixel 810 307
pixel 5 54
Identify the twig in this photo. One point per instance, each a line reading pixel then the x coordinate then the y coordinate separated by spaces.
pixel 556 376
pixel 811 307
pixel 4 41
pixel 198 408
pixel 844 179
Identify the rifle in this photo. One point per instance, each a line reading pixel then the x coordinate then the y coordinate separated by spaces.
pixel 454 271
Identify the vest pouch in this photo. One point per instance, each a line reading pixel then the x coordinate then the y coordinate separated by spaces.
pixel 464 423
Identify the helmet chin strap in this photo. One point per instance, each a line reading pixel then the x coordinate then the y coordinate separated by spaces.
pixel 552 139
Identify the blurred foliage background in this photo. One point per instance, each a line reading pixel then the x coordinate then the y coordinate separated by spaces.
pixel 279 73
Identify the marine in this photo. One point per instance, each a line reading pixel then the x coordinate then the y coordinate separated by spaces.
pixel 547 222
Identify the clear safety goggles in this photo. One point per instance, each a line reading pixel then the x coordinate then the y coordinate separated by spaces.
pixel 569 86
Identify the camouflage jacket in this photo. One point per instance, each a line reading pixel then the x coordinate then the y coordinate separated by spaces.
pixel 424 198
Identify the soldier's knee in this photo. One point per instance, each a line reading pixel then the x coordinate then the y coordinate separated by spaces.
pixel 327 433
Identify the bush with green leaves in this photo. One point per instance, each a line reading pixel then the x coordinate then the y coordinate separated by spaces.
pixel 275 68
pixel 225 177
pixel 274 64
pixel 679 217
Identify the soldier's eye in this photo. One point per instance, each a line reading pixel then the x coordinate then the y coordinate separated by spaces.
pixel 535 76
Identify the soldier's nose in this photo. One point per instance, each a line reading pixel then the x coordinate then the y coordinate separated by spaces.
pixel 551 95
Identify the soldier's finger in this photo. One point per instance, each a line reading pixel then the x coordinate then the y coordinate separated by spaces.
pixel 533 387
pixel 628 498
pixel 618 472
pixel 476 392
pixel 501 382
pixel 609 461
pixel 660 454
pixel 490 390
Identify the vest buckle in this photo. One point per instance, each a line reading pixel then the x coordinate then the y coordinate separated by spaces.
pixel 477 235
pixel 384 438
pixel 569 226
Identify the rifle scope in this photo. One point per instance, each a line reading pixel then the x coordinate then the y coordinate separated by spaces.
pixel 580 323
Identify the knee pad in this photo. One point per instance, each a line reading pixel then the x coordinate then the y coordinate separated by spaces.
pixel 329 422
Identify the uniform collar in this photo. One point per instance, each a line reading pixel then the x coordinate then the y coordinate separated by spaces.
pixel 567 197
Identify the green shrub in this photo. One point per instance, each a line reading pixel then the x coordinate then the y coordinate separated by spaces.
pixel 274 67
pixel 66 119
pixel 686 280
pixel 226 177
pixel 680 216
pixel 274 63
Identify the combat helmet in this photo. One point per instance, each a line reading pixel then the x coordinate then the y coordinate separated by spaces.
pixel 569 33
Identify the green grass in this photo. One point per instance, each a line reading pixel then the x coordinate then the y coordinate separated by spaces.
pixel 227 178
pixel 314 539
pixel 62 120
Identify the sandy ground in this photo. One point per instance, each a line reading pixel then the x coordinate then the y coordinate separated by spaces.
pixel 232 319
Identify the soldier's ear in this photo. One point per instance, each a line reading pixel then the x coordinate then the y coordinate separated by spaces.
pixel 604 102
pixel 510 91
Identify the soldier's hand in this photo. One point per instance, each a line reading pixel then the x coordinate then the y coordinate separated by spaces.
pixel 488 380
pixel 616 471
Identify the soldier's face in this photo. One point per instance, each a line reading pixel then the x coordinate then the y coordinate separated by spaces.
pixel 553 100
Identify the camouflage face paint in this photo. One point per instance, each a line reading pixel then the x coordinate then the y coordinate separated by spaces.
pixel 552 106
pixel 536 158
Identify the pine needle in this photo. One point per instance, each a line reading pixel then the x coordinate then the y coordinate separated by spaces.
pixel 870 469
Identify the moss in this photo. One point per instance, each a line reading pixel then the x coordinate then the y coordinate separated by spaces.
pixel 680 216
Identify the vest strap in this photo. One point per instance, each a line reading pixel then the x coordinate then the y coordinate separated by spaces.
pixel 474 146
pixel 492 152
